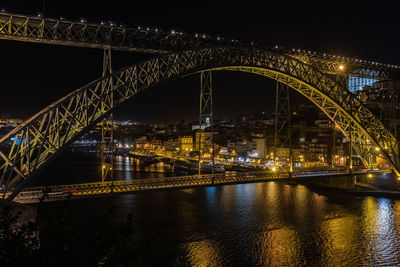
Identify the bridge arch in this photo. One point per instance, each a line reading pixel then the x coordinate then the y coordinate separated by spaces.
pixel 26 150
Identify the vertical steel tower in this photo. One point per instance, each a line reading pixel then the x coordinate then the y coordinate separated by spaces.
pixel 282 121
pixel 107 136
pixel 206 115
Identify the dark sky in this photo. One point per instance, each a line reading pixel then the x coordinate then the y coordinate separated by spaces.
pixel 34 75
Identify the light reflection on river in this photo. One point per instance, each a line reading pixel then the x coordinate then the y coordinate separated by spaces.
pixel 84 167
pixel 258 224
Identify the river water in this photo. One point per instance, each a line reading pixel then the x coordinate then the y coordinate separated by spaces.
pixel 257 224
pixel 85 166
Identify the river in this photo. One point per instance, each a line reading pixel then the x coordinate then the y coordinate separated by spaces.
pixel 257 224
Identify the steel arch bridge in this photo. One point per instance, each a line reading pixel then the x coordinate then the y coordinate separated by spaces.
pixel 30 147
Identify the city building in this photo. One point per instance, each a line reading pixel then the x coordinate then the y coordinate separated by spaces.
pixel 186 144
pixel 356 84
pixel 382 98
pixel 203 140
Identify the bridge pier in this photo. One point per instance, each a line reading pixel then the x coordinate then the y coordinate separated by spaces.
pixel 383 181
pixel 206 115
pixel 380 182
pixel 342 182
pixel 107 131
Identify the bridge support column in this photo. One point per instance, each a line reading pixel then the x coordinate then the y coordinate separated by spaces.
pixel 107 133
pixel 342 78
pixel 206 117
pixel 282 121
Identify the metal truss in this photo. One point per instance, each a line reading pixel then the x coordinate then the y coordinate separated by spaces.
pixel 107 128
pixel 62 192
pixel 206 102
pixel 30 147
pixel 330 64
pixel 282 120
pixel 282 113
pixel 19 27
pixel 36 29
pixel 206 113
pixel 349 115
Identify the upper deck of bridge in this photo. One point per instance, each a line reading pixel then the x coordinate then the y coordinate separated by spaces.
pixel 82 33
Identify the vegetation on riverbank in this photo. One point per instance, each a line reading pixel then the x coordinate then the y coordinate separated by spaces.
pixel 58 240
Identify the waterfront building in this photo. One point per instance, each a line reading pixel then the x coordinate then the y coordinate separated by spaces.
pixel 203 140
pixel 186 144
pixel 382 98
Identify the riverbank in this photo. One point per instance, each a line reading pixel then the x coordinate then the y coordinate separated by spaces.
pixel 18 213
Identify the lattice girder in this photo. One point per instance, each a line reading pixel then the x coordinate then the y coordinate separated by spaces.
pixel 29 147
pixel 40 29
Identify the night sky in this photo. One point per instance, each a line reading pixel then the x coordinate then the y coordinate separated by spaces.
pixel 34 75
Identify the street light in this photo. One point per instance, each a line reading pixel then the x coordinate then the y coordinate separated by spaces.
pixel 341 67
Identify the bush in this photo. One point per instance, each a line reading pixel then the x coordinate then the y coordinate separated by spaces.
pixel 60 241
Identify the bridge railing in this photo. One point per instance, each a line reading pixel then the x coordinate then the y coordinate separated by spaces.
pixel 40 29
pixel 61 31
pixel 56 192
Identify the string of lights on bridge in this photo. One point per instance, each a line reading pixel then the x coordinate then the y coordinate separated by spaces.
pixel 342 58
pixel 181 34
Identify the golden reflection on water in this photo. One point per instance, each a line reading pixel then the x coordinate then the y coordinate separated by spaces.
pixel 272 208
pixel 342 237
pixel 276 244
pixel 369 223
pixel 273 224
pixel 396 215
pixel 396 224
pixel 379 225
pixel 339 236
pixel 203 253
pixel 300 204
pixel 281 245
pixel 277 247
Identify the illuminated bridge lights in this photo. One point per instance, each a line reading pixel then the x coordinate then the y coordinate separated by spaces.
pixel 61 192
pixel 27 24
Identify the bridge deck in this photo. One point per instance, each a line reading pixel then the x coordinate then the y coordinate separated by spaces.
pixel 62 192
pixel 40 29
